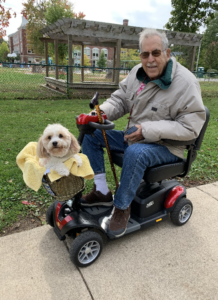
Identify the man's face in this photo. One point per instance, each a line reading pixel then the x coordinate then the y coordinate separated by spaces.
pixel 154 66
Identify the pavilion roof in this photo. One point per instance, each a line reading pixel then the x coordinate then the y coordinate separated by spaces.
pixel 106 34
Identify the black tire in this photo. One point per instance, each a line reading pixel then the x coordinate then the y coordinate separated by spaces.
pixel 182 212
pixel 89 241
pixel 49 215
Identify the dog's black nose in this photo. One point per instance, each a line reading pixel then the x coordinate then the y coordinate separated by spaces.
pixel 55 144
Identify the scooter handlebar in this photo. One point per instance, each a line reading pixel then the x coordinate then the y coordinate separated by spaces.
pixel 106 126
pixel 94 101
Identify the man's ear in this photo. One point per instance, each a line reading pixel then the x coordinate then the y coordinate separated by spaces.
pixel 40 150
pixel 168 51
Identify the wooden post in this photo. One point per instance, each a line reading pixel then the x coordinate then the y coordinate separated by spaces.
pixel 193 59
pixel 114 64
pixel 46 59
pixel 56 59
pixel 117 72
pixel 70 60
pixel 82 62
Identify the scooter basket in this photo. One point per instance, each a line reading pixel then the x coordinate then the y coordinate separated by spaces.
pixel 64 188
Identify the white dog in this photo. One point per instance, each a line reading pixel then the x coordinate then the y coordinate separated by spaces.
pixel 55 146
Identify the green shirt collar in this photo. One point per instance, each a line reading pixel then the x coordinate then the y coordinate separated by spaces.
pixel 163 82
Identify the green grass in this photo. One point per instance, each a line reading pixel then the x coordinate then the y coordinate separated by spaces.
pixel 22 121
pixel 23 84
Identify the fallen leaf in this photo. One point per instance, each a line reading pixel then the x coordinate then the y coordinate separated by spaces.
pixel 26 203
pixel 7 162
pixel 10 180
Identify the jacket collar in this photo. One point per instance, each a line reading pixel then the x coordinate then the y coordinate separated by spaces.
pixel 165 80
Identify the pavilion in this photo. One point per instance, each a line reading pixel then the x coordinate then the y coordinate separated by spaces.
pixel 84 33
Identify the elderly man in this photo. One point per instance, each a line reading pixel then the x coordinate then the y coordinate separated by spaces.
pixel 164 101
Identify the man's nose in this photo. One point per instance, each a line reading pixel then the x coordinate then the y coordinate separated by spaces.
pixel 150 57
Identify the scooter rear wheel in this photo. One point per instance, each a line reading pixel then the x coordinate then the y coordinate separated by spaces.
pixel 86 248
pixel 182 212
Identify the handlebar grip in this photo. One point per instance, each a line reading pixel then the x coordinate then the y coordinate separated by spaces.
pixel 94 101
pixel 106 126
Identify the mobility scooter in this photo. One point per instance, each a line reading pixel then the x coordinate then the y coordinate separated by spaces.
pixel 157 198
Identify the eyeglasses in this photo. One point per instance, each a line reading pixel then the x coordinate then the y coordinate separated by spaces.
pixel 154 53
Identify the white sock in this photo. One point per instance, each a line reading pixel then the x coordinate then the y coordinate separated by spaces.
pixel 101 184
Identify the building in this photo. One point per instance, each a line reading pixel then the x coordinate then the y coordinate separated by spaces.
pixel 18 44
pixel 93 53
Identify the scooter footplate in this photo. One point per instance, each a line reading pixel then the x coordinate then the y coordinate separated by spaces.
pixel 97 210
pixel 132 226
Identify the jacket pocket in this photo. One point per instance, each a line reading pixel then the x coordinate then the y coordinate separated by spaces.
pixel 159 112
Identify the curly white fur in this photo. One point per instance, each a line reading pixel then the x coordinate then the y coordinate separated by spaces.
pixel 55 146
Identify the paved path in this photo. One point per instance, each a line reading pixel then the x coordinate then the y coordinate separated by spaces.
pixel 162 262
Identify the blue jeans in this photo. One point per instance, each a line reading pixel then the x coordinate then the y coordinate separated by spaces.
pixel 137 158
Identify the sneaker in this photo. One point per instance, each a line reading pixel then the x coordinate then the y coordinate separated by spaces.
pixel 97 198
pixel 118 222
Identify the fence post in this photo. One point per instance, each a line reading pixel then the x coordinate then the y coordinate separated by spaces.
pixel 68 91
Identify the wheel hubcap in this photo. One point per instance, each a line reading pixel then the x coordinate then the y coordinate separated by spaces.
pixel 185 213
pixel 88 252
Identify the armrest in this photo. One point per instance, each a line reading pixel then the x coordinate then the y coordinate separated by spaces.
pixel 179 143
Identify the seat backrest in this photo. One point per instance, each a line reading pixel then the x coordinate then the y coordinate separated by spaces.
pixel 199 140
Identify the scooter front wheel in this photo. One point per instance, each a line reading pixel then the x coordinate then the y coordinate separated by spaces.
pixel 49 215
pixel 86 248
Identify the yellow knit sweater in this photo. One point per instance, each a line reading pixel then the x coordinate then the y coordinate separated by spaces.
pixel 28 162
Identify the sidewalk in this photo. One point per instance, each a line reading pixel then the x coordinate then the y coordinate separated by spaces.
pixel 162 262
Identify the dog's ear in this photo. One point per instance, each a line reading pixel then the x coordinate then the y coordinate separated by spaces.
pixel 40 150
pixel 74 146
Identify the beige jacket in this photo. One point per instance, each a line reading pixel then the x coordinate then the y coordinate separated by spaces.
pixel 175 113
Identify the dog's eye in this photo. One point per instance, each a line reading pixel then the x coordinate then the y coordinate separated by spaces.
pixel 60 136
pixel 49 137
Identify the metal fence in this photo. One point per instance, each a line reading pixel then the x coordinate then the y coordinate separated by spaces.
pixel 32 81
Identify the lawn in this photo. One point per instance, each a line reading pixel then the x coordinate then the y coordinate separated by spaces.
pixel 22 121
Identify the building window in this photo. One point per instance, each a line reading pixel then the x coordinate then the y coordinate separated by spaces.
pixel 95 53
pixel 87 51
pixel 77 53
pixel 105 52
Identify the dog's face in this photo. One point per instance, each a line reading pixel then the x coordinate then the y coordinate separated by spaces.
pixel 57 141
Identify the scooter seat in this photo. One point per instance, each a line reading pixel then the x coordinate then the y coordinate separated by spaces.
pixel 161 172
pixel 157 173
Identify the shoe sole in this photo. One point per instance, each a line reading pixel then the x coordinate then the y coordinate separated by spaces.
pixel 97 204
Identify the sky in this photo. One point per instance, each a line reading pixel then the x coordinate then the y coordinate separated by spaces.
pixel 147 13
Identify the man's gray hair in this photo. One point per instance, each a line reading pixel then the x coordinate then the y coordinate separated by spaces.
pixel 148 32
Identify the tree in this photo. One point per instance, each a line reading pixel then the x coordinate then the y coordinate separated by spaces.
pixel 102 62
pixel 43 14
pixel 86 61
pixel 189 15
pixel 4 50
pixel 129 58
pixel 5 16
pixel 211 55
pixel 209 36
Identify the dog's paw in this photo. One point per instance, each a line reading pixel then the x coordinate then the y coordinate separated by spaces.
pixel 65 172
pixel 78 160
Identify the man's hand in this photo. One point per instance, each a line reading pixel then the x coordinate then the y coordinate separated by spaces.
pixel 135 136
